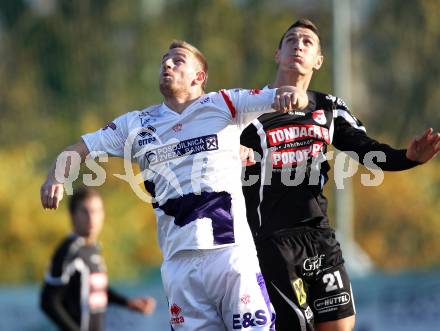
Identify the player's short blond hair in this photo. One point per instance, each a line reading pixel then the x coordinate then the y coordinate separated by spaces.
pixel 198 55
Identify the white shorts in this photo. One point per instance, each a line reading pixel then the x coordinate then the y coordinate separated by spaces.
pixel 217 290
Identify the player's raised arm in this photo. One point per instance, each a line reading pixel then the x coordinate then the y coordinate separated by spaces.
pixel 52 190
pixel 281 99
pixel 246 105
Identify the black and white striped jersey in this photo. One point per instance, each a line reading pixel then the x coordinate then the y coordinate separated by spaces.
pixel 284 188
pixel 75 291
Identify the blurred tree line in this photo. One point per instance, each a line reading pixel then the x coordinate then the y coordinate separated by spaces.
pixel 68 67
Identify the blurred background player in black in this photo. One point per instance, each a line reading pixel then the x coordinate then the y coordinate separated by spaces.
pixel 75 292
pixel 299 256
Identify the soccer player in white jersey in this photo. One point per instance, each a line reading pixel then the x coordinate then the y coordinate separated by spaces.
pixel 188 150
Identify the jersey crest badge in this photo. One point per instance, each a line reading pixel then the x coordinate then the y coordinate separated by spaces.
pixel 319 116
pixel 177 127
pixel 110 125
pixel 254 91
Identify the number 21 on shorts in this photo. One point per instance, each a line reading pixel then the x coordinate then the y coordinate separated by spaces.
pixel 333 281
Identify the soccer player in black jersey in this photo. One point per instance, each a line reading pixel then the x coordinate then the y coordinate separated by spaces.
pixel 75 291
pixel 300 258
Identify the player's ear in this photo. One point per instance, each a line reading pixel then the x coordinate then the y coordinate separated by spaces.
pixel 277 56
pixel 319 61
pixel 200 78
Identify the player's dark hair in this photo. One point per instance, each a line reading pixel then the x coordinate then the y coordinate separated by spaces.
pixel 302 23
pixel 81 194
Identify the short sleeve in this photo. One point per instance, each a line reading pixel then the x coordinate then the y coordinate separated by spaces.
pixel 110 139
pixel 247 105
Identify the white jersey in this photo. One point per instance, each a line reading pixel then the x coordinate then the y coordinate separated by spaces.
pixel 191 165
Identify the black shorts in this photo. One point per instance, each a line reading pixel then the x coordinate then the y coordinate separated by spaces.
pixel 305 277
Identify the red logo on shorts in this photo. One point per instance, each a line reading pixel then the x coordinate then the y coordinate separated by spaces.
pixel 245 299
pixel 175 311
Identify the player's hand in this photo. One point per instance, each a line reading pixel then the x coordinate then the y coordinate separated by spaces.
pixel 51 193
pixel 247 156
pixel 143 305
pixel 288 98
pixel 425 147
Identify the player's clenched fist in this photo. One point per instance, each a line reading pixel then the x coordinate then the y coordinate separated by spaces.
pixel 67 163
pixel 51 193
pixel 247 156
pixel 288 98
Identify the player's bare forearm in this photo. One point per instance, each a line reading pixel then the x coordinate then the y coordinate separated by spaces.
pixel 51 192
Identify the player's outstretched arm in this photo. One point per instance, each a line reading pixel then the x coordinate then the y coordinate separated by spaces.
pixel 425 147
pixel 51 192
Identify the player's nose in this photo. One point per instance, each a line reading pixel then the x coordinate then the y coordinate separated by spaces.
pixel 298 46
pixel 167 64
